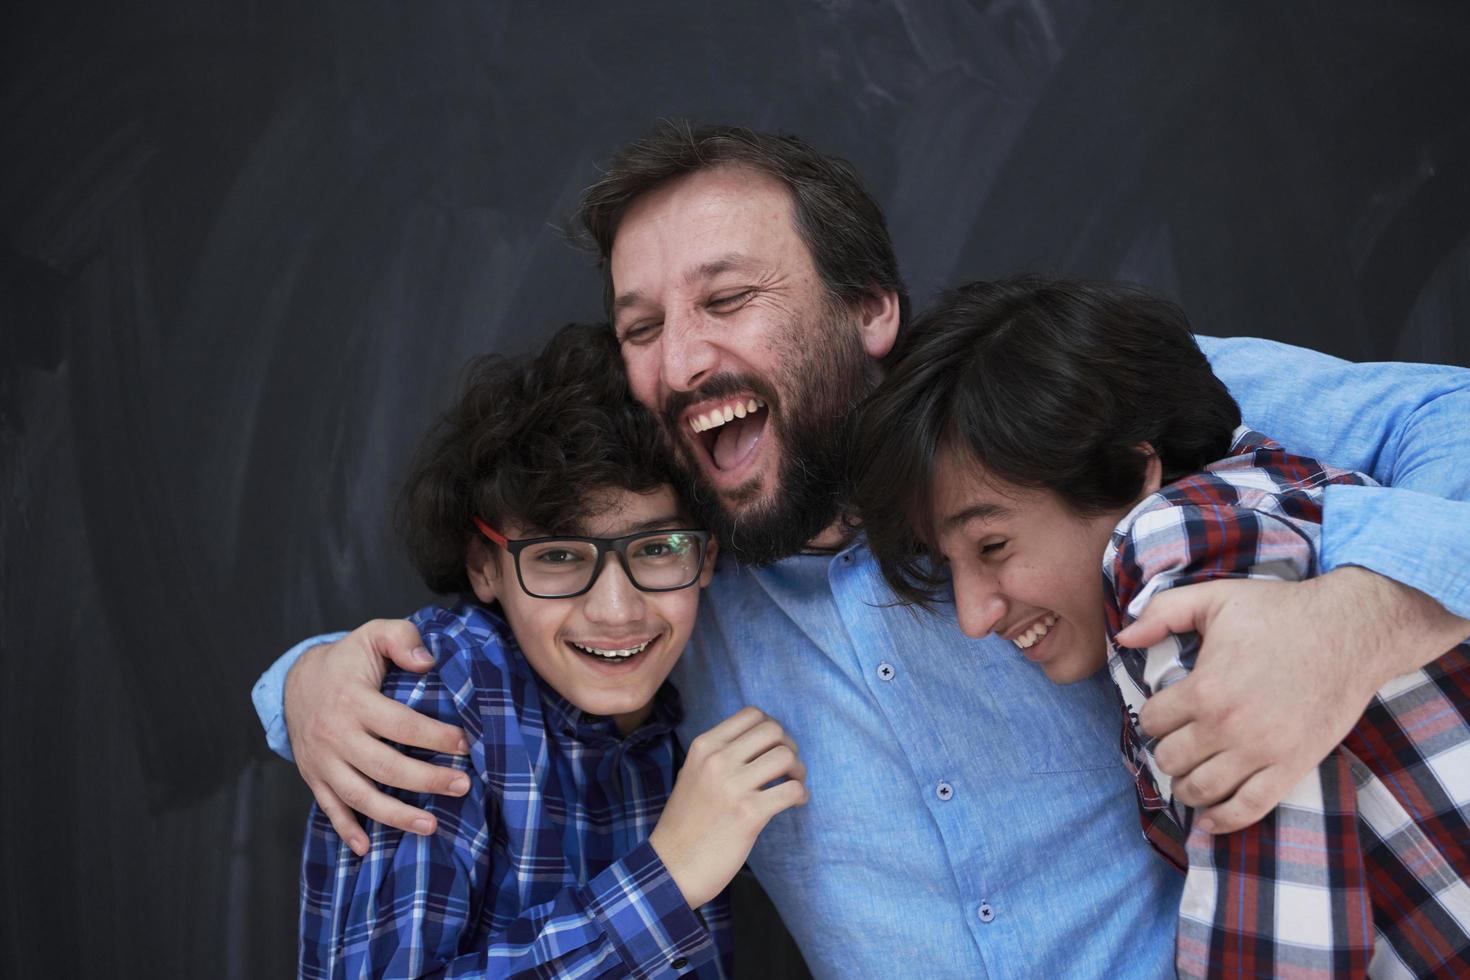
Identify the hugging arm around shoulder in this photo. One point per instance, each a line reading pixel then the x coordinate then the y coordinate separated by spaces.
pixel 1405 425
pixel 1340 862
pixel 451 904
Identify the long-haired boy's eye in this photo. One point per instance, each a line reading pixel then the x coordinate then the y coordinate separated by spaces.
pixel 992 548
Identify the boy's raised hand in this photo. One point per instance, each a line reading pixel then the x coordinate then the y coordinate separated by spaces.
pixel 718 806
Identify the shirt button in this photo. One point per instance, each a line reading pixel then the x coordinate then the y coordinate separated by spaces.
pixel 886 671
pixel 679 964
pixel 987 913
pixel 944 791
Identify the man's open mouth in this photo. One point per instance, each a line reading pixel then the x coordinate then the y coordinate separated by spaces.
pixel 729 432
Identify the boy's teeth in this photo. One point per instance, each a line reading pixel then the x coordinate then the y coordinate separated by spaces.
pixel 717 417
pixel 1028 639
pixel 612 654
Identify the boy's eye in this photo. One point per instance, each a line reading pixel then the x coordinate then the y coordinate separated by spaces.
pixel 993 548
pixel 557 556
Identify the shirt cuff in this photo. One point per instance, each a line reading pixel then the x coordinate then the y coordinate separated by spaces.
pixel 269 694
pixel 647 919
pixel 1414 538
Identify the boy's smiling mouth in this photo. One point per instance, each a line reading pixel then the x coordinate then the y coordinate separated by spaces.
pixel 613 654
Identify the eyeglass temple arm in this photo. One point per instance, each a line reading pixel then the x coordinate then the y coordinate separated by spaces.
pixel 490 532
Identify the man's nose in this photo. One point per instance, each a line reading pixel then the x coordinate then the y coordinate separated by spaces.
pixel 978 604
pixel 613 599
pixel 688 355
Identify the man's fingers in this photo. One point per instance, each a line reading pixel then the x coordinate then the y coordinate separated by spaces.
pixel 1211 781
pixel 399 723
pixel 1169 710
pixel 361 795
pixel 399 641
pixel 390 767
pixel 344 821
pixel 1183 749
pixel 1183 610
pixel 1255 798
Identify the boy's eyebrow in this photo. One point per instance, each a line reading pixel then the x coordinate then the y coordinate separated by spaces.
pixel 653 524
pixel 982 512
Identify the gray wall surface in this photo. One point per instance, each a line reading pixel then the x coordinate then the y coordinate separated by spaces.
pixel 247 246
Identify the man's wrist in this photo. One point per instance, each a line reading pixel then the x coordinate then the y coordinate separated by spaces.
pixel 1408 629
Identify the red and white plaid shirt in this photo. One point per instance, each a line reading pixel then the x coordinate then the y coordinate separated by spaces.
pixel 1362 868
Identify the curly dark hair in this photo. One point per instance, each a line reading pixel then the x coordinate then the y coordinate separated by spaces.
pixel 1046 383
pixel 837 218
pixel 530 442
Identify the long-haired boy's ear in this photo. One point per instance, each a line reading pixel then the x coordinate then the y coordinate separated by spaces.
pixel 711 555
pixel 481 568
pixel 1153 468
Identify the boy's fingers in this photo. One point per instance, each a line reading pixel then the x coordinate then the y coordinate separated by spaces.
pixel 781 760
pixel 732 727
pixel 758 740
pixel 783 796
pixel 386 765
pixel 386 718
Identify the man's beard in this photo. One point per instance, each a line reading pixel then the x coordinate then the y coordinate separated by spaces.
pixel 810 409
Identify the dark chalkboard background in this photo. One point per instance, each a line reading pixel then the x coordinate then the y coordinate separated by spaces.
pixel 246 247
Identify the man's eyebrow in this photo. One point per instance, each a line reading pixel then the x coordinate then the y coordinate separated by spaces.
pixel 977 512
pixel 626 300
pixel 725 263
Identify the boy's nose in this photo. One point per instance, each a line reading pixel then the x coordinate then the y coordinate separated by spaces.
pixel 978 605
pixel 613 598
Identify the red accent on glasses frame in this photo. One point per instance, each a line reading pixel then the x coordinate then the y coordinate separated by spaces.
pixel 490 532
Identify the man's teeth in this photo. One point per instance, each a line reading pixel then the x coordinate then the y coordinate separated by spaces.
pixel 717 417
pixel 1028 639
pixel 612 654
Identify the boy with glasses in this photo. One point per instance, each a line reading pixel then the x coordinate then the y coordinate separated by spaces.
pixel 544 500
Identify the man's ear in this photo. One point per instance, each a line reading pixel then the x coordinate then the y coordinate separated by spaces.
pixel 878 315
pixel 1153 472
pixel 711 555
pixel 483 570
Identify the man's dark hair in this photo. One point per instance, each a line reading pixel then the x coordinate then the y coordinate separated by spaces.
pixel 836 217
pixel 1047 384
pixel 531 442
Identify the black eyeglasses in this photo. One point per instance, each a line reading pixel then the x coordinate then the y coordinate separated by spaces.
pixel 563 567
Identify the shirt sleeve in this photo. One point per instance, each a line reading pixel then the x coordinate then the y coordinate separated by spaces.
pixel 1291 891
pixel 1406 425
pixel 427 906
pixel 269 694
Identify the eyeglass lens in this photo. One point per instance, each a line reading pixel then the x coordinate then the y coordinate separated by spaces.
pixel 660 560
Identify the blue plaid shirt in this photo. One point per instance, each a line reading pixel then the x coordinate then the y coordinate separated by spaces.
pixel 543 869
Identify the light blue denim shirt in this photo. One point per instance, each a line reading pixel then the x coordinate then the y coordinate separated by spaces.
pixel 967 817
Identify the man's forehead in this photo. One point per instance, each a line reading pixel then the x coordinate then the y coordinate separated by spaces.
pixel 701 224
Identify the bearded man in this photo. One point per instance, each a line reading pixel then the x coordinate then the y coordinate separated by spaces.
pixel 966 817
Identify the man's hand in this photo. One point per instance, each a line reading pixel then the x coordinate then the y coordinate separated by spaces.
pixel 1285 669
pixel 718 808
pixel 335 716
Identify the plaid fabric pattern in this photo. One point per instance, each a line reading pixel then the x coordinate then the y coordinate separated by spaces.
pixel 1361 869
pixel 543 869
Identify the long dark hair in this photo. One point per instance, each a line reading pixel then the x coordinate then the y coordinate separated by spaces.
pixel 1046 383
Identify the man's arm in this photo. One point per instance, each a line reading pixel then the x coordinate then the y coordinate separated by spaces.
pixel 1301 660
